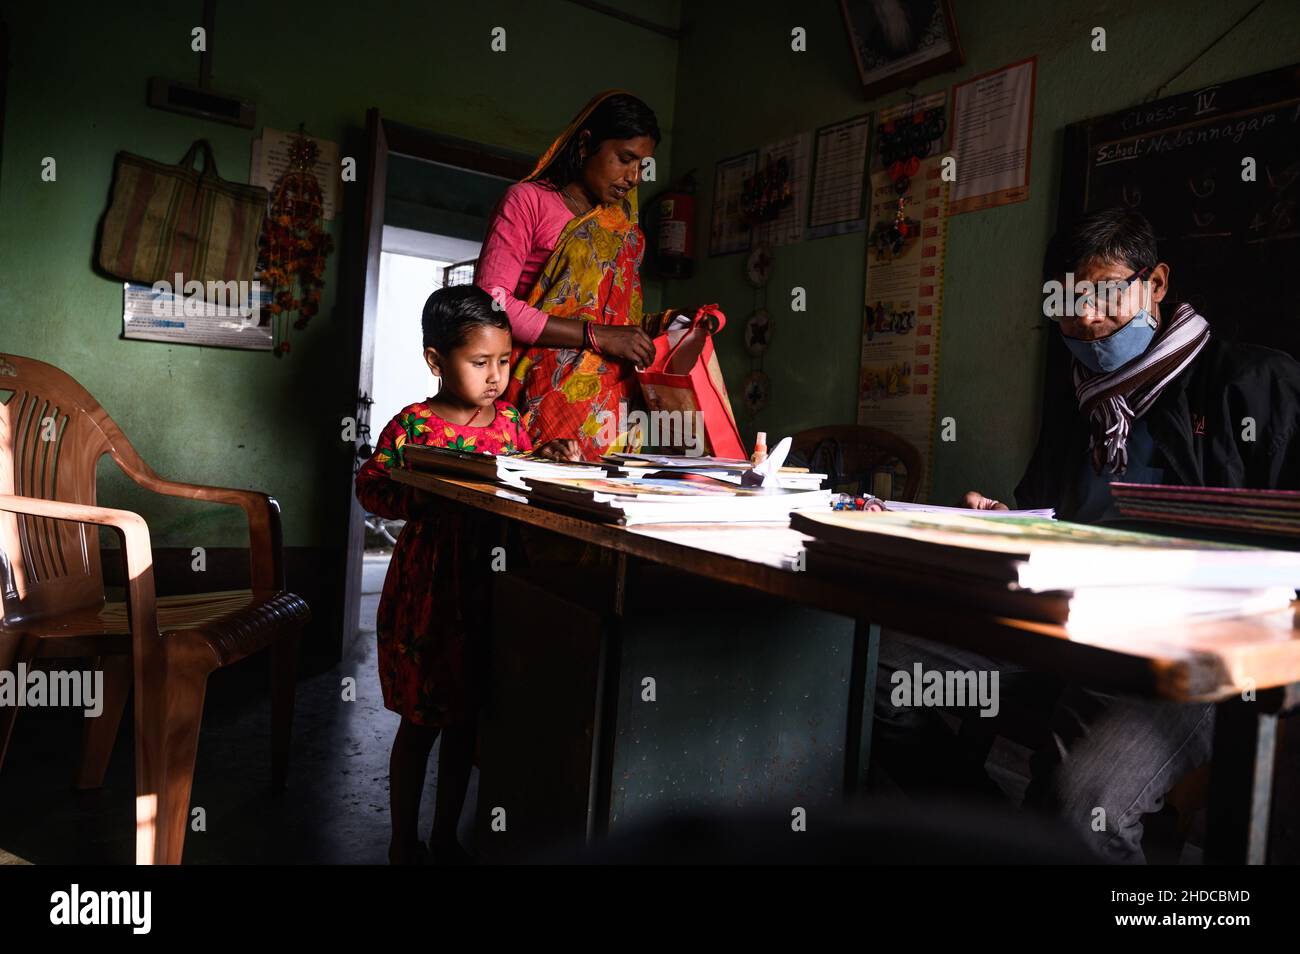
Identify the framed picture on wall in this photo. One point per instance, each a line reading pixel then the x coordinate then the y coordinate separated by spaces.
pixel 898 42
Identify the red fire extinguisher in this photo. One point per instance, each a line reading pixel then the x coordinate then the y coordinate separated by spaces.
pixel 675 230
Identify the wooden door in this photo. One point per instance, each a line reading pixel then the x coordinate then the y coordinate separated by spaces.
pixel 376 180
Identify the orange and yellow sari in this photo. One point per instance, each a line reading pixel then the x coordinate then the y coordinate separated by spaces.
pixel 593 275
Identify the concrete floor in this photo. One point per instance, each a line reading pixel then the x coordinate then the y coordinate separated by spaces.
pixel 335 810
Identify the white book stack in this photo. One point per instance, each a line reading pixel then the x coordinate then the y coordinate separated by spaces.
pixel 1091 579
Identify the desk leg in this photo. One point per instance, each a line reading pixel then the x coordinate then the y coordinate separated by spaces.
pixel 605 730
pixel 862 704
pixel 1241 782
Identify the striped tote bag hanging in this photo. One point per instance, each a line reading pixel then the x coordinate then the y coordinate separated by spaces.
pixel 166 220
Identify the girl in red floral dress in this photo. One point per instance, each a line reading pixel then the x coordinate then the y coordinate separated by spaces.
pixel 433 610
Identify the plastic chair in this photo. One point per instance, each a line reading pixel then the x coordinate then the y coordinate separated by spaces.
pixel 853 451
pixel 52 435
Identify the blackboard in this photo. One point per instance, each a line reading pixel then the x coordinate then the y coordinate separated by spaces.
pixel 1233 246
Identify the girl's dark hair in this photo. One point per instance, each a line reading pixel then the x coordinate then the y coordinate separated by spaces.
pixel 621 116
pixel 450 314
pixel 1111 235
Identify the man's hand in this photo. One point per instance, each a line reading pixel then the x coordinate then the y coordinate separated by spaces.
pixel 559 449
pixel 977 501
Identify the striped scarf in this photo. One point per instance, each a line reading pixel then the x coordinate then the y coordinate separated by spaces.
pixel 1112 400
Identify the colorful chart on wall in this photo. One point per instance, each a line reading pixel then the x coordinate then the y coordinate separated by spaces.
pixel 904 288
pixel 728 232
pixel 788 226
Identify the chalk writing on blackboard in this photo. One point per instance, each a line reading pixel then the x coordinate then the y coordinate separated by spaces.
pixel 1217 173
pixel 1225 128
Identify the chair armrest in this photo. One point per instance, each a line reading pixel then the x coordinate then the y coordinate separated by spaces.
pixel 265 541
pixel 134 533
pixel 148 651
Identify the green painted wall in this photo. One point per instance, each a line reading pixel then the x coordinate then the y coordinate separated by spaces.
pixel 740 85
pixel 77 92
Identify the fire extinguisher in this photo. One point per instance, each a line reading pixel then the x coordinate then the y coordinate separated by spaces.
pixel 675 230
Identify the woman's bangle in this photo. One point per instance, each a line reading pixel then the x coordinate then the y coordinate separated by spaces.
pixel 589 334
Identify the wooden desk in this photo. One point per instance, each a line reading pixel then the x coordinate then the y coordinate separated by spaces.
pixel 1258 657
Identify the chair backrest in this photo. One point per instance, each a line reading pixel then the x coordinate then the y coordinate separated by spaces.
pixel 52 435
pixel 857 450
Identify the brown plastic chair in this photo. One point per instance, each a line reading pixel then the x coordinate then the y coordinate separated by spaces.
pixel 862 450
pixel 52 435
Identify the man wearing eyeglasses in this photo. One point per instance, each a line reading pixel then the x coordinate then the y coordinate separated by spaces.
pixel 1150 396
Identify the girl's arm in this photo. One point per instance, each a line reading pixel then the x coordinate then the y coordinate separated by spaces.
pixel 378 493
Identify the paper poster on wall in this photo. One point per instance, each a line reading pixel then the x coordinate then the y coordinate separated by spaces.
pixel 904 289
pixel 728 231
pixel 838 203
pixel 790 154
pixel 993 120
pixel 233 322
pixel 270 160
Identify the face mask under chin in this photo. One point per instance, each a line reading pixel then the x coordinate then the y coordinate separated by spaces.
pixel 1103 355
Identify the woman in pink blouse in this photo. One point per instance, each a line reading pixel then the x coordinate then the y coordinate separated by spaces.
pixel 562 257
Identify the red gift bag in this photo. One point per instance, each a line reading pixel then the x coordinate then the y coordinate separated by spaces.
pixel 685 377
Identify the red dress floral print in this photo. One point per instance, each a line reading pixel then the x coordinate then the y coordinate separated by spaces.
pixel 435 599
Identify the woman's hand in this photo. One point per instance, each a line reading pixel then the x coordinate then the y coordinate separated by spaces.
pixel 977 501
pixel 559 450
pixel 627 342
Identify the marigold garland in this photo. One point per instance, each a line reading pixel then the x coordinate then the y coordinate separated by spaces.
pixel 295 244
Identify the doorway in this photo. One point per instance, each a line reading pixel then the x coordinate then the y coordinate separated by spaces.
pixel 428 200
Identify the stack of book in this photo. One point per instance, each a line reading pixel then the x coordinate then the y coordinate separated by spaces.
pixel 1272 512
pixel 1087 578
pixel 723 468
pixel 680 498
pixel 508 470
pixel 668 461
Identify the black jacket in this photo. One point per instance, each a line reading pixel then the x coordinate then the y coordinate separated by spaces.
pixel 1196 424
